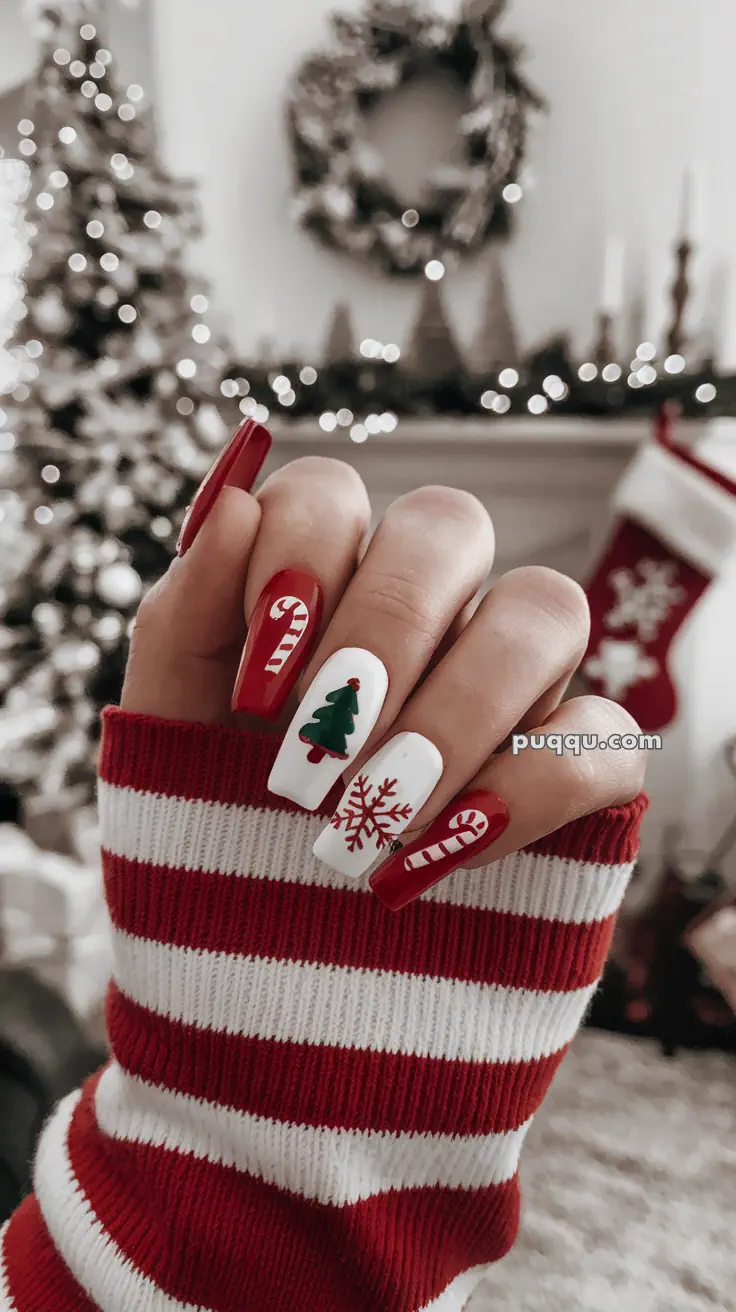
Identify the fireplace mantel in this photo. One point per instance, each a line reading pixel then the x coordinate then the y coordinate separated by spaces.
pixel 546 482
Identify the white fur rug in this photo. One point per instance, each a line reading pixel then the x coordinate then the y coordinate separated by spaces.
pixel 629 1177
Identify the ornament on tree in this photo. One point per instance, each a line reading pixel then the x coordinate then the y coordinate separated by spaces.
pixel 119 585
pixel 676 531
pixel 334 724
pixel 211 426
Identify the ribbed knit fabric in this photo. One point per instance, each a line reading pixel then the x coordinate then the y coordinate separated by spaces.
pixel 313 1103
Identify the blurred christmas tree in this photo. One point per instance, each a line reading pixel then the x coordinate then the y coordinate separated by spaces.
pixel 118 413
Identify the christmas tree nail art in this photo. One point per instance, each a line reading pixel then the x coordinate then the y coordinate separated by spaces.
pixel 333 723
pixel 331 726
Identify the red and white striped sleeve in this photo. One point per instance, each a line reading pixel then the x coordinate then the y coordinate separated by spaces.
pixel 311 1101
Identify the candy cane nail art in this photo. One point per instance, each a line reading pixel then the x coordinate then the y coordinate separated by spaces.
pixel 466 827
pixel 280 637
pixel 297 628
pixel 474 825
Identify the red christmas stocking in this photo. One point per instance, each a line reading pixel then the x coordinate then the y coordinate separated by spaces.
pixel 675 532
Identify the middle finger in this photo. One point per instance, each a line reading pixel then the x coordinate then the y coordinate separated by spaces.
pixel 426 560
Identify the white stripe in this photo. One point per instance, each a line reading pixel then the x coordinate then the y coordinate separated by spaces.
pixel 456 1296
pixel 94 1259
pixel 6 1302
pixel 336 1167
pixel 231 840
pixel 340 1006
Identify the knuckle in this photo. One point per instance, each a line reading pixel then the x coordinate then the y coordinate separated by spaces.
pixel 151 606
pixel 324 469
pixel 392 596
pixel 556 595
pixel 305 488
pixel 624 771
pixel 452 503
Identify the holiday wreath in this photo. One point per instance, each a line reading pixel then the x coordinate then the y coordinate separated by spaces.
pixel 341 193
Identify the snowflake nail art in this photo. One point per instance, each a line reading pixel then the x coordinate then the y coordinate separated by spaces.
pixel 380 803
pixel 371 811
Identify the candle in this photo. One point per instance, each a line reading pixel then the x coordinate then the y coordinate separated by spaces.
pixel 612 296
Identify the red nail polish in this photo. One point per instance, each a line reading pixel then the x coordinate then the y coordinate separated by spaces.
pixel 283 627
pixel 466 827
pixel 237 466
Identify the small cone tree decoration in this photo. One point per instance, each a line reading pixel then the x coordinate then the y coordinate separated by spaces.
pixel 333 724
pixel 433 355
pixel 496 346
pixel 340 345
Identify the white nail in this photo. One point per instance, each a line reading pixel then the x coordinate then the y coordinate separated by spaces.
pixel 331 726
pixel 379 803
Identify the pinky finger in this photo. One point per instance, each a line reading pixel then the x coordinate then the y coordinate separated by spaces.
pixel 516 799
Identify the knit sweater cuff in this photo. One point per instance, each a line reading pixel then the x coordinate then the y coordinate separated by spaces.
pixel 312 1101
pixel 214 763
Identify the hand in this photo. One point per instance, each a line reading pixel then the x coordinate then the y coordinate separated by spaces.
pixel 462 675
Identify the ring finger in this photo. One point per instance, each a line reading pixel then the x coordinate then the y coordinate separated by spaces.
pixel 526 637
pixel 426 560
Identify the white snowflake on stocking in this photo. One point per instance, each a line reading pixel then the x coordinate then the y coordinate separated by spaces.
pixel 370 811
pixel 620 666
pixel 646 596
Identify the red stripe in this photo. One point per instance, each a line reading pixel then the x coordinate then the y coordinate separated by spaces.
pixel 213 1235
pixel 217 763
pixel 213 763
pixel 334 1087
pixel 38 1279
pixel 303 922
pixel 609 837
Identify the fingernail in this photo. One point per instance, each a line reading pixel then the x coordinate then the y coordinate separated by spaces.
pixel 466 827
pixel 283 625
pixel 380 803
pixel 237 466
pixel 331 726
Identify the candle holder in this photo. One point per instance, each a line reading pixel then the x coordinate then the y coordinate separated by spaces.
pixel 604 350
pixel 680 294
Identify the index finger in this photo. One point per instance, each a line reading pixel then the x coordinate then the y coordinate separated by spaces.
pixel 190 628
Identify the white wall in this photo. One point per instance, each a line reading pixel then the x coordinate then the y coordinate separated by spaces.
pixel 637 92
